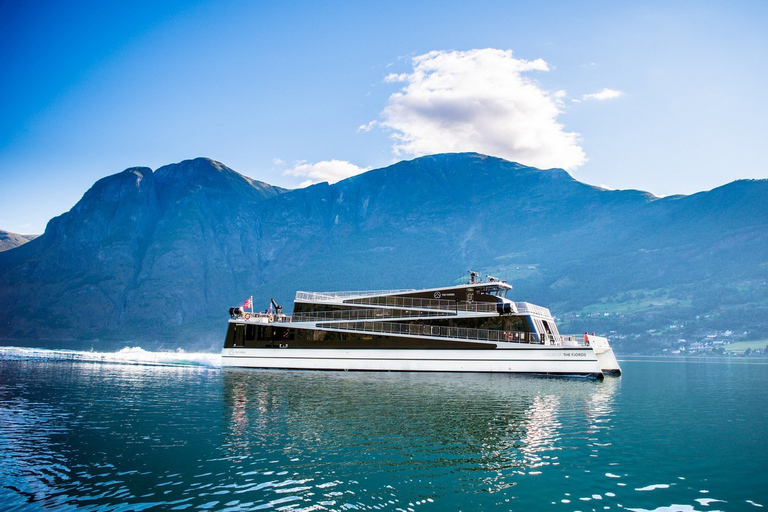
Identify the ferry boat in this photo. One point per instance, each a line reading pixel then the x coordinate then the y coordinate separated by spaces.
pixel 470 327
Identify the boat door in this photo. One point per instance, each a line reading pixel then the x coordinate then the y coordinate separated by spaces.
pixel 547 331
pixel 538 328
pixel 239 335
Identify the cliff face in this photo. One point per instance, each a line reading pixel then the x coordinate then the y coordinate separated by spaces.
pixel 162 255
pixel 141 252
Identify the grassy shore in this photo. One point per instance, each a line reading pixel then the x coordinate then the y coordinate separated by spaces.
pixel 741 346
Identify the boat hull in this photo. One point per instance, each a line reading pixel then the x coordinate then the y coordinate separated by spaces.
pixel 543 360
pixel 605 356
pixel 608 362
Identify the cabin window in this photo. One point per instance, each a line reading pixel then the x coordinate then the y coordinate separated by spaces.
pixel 238 338
pixel 250 332
pixel 514 323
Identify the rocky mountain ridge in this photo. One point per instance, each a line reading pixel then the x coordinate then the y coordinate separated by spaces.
pixel 161 255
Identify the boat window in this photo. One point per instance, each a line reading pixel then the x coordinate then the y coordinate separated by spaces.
pixel 238 341
pixel 514 323
pixel 497 292
pixel 250 332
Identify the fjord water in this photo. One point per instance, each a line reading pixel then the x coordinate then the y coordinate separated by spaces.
pixel 178 432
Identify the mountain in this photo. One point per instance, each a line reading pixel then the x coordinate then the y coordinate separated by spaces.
pixel 162 255
pixel 10 240
pixel 141 252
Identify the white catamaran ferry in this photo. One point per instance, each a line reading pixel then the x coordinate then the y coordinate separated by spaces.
pixel 471 327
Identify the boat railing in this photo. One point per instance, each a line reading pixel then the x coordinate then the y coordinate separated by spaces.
pixel 377 299
pixel 577 340
pixel 437 331
pixel 260 318
pixel 358 322
pixel 591 340
pixel 363 314
pixel 491 335
pixel 433 304
pixel 332 296
pixel 523 308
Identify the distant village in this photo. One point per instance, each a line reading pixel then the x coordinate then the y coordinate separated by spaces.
pixel 717 343
pixel 681 340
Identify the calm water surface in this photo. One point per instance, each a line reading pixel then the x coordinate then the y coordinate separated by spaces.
pixel 102 434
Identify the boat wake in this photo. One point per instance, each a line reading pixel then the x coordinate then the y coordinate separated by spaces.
pixel 127 355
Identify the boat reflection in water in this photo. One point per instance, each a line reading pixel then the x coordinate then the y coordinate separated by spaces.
pixel 347 440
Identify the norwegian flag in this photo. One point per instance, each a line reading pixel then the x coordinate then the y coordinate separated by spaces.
pixel 249 303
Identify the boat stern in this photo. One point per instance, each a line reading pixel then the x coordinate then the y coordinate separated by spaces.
pixel 605 356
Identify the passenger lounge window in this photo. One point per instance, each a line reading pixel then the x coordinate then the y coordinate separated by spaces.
pixel 238 341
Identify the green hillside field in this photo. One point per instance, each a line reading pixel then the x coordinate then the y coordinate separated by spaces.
pixel 741 346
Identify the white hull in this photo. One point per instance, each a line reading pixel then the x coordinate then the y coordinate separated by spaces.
pixel 605 355
pixel 544 360
pixel 608 362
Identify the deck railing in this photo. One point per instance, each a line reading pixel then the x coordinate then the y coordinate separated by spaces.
pixel 578 340
pixel 436 331
pixel 364 314
pixel 376 299
pixel 523 308
pixel 491 335
pixel 331 296
pixel 426 304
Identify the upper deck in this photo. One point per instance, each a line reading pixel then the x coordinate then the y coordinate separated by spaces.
pixel 471 297
pixel 473 291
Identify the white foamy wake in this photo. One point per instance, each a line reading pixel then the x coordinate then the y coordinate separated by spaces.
pixel 127 355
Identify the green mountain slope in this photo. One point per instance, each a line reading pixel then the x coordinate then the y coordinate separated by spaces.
pixel 10 240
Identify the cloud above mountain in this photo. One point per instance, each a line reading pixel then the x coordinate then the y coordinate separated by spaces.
pixel 605 94
pixel 327 170
pixel 479 100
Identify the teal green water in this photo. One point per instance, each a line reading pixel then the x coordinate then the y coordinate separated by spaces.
pixel 94 435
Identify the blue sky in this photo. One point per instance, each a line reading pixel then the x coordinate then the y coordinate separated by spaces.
pixel 667 97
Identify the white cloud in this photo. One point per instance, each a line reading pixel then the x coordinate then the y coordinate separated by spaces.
pixel 365 128
pixel 393 77
pixel 605 94
pixel 479 100
pixel 327 170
